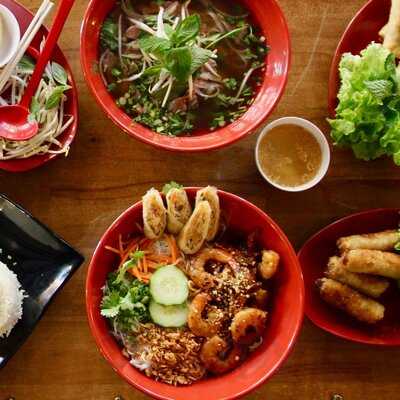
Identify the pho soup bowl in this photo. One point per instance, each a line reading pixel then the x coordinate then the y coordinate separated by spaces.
pixel 284 319
pixel 265 13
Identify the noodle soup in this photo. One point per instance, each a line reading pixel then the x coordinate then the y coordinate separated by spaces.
pixel 180 68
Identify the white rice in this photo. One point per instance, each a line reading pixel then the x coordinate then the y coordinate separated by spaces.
pixel 11 299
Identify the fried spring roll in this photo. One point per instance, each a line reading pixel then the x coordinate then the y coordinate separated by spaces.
pixel 154 215
pixel 385 240
pixel 178 210
pixel 194 233
pixel 373 262
pixel 392 31
pixel 370 285
pixel 350 301
pixel 210 194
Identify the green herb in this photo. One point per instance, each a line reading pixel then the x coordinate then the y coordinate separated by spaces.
pixel 116 72
pixel 186 30
pixel 109 35
pixel 154 45
pixel 227 35
pixel 26 64
pixel 231 83
pixel 55 97
pixel 59 73
pixel 179 62
pixel 199 57
pixel 171 185
pixel 368 114
pixel 125 299
pixel 111 86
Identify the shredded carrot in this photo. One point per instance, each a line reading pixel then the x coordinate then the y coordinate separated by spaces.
pixel 121 247
pixel 173 248
pixel 145 266
pixel 113 250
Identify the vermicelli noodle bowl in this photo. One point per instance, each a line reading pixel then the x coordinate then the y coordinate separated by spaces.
pixel 189 298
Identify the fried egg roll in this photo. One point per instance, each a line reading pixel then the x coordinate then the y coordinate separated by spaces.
pixel 350 301
pixel 385 240
pixel 370 285
pixel 178 210
pixel 194 233
pixel 392 31
pixel 154 214
pixel 373 262
pixel 210 194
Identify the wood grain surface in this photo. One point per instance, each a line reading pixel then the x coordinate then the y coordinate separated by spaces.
pixel 107 171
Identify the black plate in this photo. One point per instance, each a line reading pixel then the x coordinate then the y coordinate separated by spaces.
pixel 43 263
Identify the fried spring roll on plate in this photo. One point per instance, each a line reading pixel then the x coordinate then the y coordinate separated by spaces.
pixel 370 285
pixel 350 301
pixel 391 32
pixel 385 240
pixel 373 262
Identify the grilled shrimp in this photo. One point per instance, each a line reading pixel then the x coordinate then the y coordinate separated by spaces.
pixel 199 325
pixel 269 264
pixel 218 357
pixel 197 271
pixel 247 325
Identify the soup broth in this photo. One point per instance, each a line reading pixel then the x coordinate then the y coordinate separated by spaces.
pixel 290 155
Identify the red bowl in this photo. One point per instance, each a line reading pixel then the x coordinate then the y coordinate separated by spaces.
pixel 313 259
pixel 272 21
pixel 362 30
pixel 284 322
pixel 24 18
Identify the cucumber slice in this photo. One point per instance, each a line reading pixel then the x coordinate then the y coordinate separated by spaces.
pixel 169 286
pixel 169 316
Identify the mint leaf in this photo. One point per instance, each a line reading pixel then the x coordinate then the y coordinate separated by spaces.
pixel 154 45
pixel 179 62
pixel 55 97
pixel 171 185
pixel 59 74
pixel 380 88
pixel 199 58
pixel 186 30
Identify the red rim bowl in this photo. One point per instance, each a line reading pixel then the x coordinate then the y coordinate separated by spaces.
pixel 313 258
pixel 362 30
pixel 285 321
pixel 272 21
pixel 24 17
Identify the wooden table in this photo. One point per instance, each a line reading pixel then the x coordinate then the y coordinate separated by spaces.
pixel 107 171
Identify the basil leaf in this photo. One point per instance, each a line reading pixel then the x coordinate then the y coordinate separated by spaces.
pixel 154 45
pixel 186 30
pixel 26 64
pixel 109 35
pixel 59 74
pixel 199 57
pixel 55 97
pixel 178 62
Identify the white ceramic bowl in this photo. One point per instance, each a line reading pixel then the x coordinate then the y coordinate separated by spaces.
pixel 10 35
pixel 319 136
